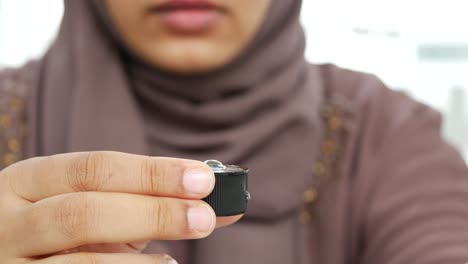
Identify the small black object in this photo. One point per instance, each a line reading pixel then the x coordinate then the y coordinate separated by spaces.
pixel 230 195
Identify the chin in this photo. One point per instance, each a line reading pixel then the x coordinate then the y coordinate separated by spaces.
pixel 190 65
pixel 191 58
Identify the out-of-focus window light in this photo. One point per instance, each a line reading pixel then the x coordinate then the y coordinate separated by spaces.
pixel 26 28
pixel 420 46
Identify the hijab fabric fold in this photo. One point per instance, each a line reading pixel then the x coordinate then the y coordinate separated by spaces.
pixel 259 111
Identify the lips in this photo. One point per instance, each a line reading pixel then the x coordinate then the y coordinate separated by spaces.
pixel 174 5
pixel 188 16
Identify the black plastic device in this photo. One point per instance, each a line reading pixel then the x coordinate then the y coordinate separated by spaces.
pixel 230 195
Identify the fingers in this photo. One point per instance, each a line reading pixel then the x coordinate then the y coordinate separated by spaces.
pixel 71 220
pixel 97 258
pixel 38 178
pixel 109 248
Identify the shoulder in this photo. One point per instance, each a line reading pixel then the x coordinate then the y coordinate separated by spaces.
pixel 15 90
pixel 375 109
pixel 16 86
pixel 17 81
pixel 405 182
pixel 364 91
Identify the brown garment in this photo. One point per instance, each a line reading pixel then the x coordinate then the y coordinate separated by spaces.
pixel 398 195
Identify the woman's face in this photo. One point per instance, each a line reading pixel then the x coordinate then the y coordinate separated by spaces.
pixel 187 36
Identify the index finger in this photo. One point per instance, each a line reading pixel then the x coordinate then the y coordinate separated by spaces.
pixel 38 178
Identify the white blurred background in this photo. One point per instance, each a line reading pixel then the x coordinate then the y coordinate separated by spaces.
pixel 420 46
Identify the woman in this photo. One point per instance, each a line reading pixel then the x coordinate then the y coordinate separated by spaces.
pixel 343 170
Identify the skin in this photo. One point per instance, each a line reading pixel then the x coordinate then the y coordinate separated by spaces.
pixel 82 195
pixel 104 207
pixel 205 51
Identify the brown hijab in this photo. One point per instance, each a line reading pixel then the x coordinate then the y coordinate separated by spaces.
pixel 260 111
pixel 402 198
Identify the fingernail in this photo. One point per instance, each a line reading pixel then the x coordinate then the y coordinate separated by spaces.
pixel 197 181
pixel 200 219
pixel 168 260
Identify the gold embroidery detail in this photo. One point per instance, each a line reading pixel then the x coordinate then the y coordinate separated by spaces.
pixel 9 159
pixel 4 121
pixel 13 145
pixel 335 123
pixel 17 104
pixel 329 147
pixel 310 196
pixel 330 151
pixel 319 169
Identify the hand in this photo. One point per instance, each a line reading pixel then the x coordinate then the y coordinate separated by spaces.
pixel 87 207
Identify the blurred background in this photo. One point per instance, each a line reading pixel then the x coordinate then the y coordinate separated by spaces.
pixel 419 46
